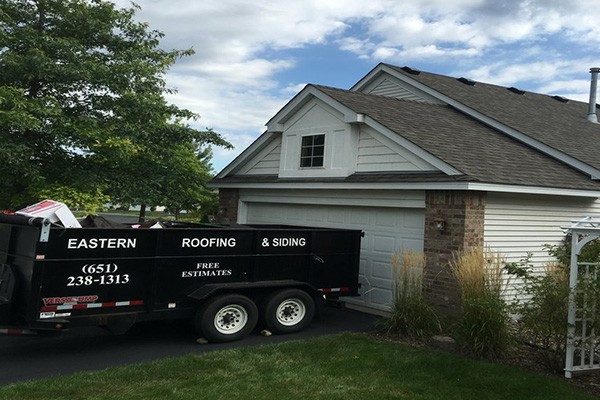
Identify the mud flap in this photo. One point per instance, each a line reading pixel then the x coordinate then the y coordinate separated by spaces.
pixel 7 290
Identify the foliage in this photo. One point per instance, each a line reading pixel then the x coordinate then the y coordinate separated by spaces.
pixel 82 107
pixel 336 367
pixel 484 327
pixel 411 314
pixel 85 203
pixel 543 300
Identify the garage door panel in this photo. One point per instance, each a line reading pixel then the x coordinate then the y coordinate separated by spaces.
pixel 386 230
pixel 384 244
pixel 382 270
pixel 381 297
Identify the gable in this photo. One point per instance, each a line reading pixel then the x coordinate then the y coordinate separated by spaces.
pixel 349 148
pixel 389 86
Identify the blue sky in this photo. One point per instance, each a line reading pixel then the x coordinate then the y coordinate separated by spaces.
pixel 254 56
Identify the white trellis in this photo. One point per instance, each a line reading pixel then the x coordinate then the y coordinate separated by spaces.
pixel 583 340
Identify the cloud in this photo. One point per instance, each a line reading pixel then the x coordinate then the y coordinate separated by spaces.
pixel 243 48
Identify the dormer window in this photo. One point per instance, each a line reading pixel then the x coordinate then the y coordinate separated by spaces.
pixel 313 149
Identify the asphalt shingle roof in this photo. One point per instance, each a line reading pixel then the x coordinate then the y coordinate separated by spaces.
pixel 480 152
pixel 561 125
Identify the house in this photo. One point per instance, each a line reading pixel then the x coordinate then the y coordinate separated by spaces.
pixel 421 161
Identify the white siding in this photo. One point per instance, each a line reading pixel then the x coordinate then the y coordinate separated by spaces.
pixel 265 163
pixel 375 156
pixel 341 142
pixel 393 87
pixel 390 89
pixel 518 224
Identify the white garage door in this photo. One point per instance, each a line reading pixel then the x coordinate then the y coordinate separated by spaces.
pixel 386 230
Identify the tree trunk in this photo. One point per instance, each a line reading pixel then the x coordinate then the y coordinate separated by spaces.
pixel 142 217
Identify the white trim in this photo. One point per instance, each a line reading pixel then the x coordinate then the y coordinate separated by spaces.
pixel 358 202
pixel 490 187
pixel 483 187
pixel 536 144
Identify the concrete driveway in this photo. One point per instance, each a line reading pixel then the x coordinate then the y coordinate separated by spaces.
pixel 87 349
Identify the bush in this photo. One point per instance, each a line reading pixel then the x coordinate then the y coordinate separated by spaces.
pixel 484 328
pixel 543 303
pixel 542 312
pixel 411 315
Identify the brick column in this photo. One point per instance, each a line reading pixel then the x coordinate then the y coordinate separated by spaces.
pixel 462 213
pixel 228 206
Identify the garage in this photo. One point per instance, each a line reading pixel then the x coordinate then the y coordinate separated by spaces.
pixel 387 229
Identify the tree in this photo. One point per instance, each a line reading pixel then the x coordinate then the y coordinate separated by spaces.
pixel 82 108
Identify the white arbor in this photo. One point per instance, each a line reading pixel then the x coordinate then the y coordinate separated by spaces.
pixel 583 340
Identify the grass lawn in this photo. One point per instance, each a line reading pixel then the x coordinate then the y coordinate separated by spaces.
pixel 346 366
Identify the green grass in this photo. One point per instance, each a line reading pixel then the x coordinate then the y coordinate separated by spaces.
pixel 346 366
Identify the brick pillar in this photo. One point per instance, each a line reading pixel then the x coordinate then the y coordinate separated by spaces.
pixel 462 213
pixel 228 206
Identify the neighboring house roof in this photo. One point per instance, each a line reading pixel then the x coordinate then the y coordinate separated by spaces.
pixel 483 133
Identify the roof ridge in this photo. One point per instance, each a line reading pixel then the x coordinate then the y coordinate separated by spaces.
pixel 476 82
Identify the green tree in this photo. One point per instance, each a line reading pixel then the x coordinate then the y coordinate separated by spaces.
pixel 82 107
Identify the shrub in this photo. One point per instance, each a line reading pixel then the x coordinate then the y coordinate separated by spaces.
pixel 484 328
pixel 543 303
pixel 411 315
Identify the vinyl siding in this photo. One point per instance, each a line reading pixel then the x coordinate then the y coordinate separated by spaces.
pixel 266 162
pixel 519 224
pixel 375 156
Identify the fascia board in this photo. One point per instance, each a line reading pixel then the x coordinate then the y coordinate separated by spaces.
pixel 515 134
pixel 480 187
pixel 413 148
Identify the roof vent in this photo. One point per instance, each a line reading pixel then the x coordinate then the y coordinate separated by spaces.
pixel 515 90
pixel 561 99
pixel 466 81
pixel 411 71
pixel 593 88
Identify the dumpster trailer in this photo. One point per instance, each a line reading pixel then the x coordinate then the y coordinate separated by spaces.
pixel 226 279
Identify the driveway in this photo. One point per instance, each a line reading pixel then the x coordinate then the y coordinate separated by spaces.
pixel 88 349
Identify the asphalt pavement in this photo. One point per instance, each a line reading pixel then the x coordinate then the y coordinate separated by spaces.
pixel 25 358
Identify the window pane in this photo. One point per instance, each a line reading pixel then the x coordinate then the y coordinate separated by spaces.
pixel 312 151
pixel 307 141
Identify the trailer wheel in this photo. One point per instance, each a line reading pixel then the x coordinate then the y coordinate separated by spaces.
pixel 288 311
pixel 226 318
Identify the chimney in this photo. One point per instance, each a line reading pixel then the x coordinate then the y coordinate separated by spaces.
pixel 592 105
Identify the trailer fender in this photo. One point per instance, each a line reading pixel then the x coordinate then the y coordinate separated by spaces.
pixel 210 290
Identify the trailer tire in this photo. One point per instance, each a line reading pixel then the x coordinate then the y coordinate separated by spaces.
pixel 226 318
pixel 288 311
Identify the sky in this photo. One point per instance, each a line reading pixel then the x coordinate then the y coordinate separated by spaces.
pixel 252 57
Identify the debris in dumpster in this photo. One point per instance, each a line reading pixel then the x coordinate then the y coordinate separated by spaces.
pixel 56 212
pixel 97 221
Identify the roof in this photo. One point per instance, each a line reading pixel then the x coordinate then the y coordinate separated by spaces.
pixel 478 151
pixel 453 133
pixel 552 120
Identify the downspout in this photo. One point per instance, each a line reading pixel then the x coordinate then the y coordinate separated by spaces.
pixel 591 116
